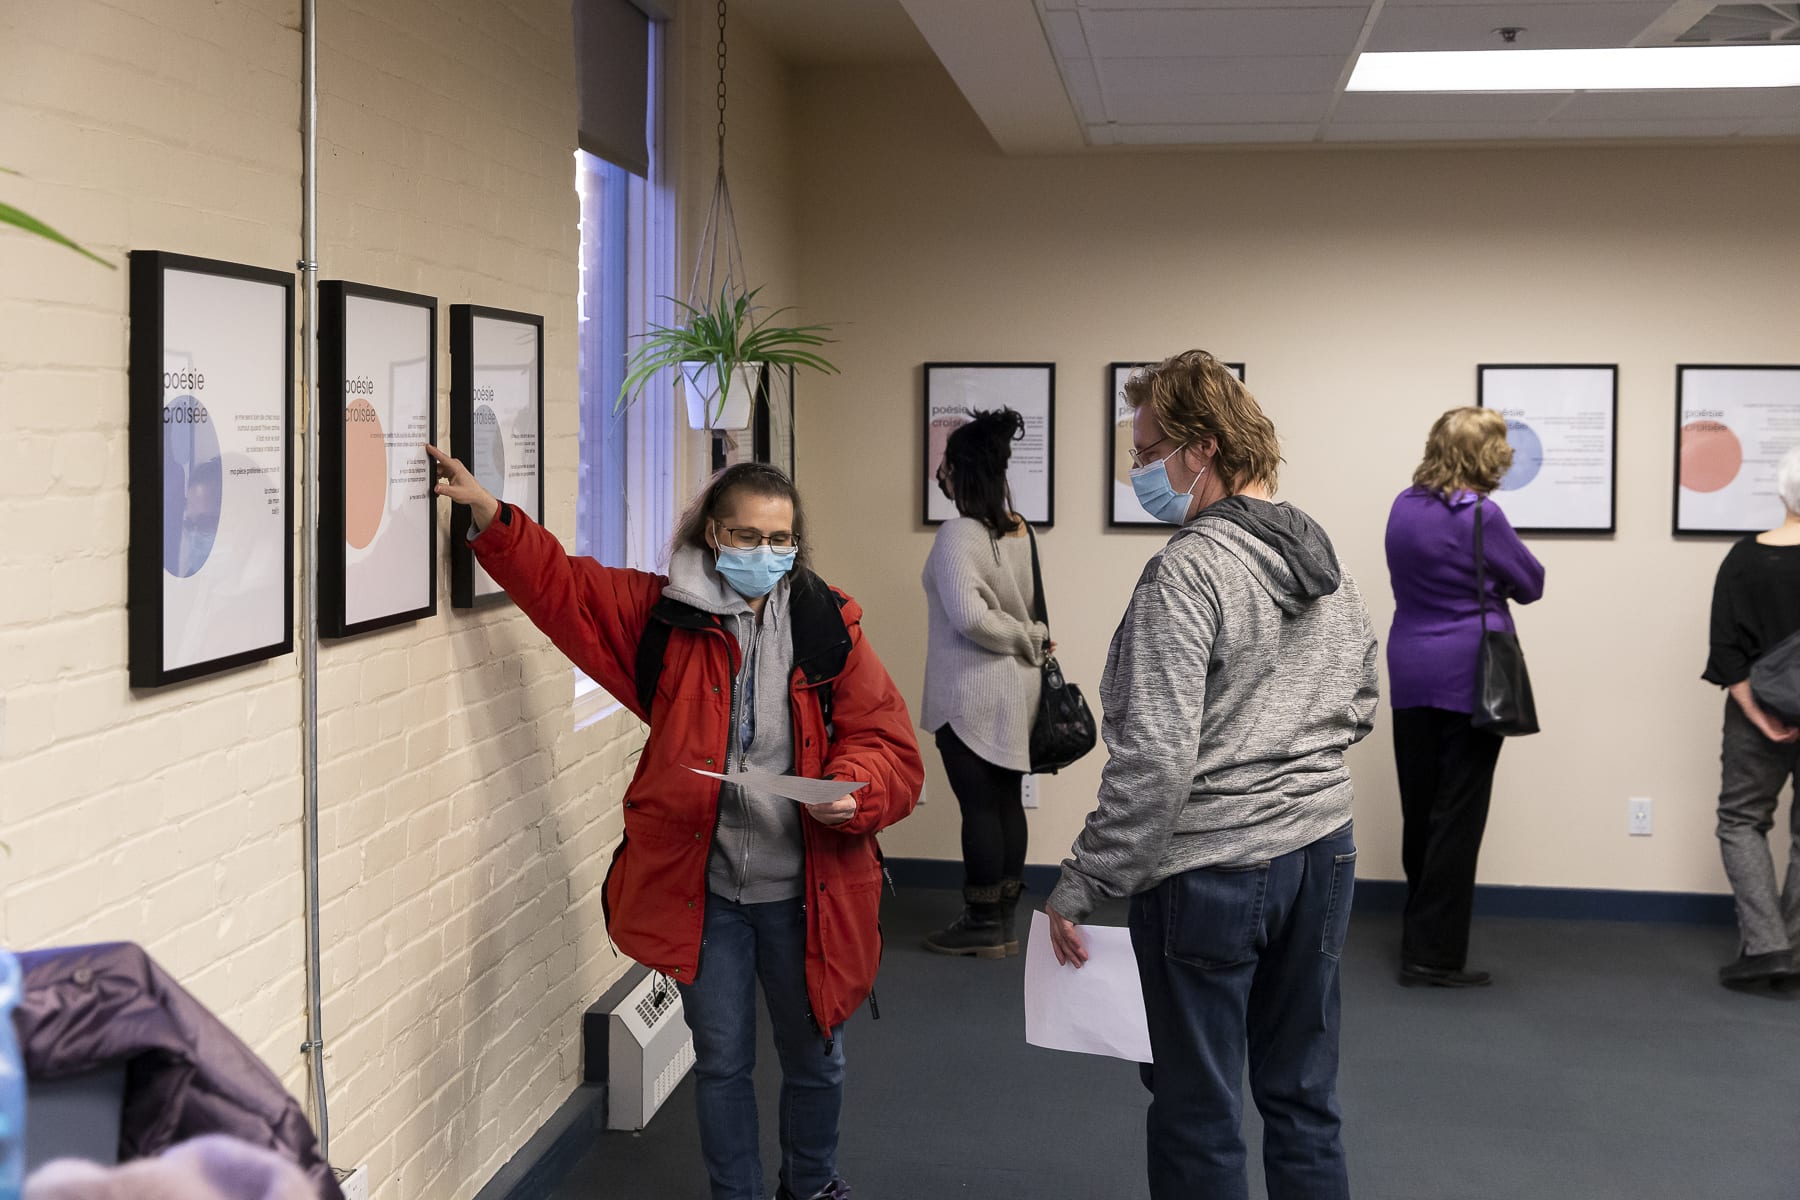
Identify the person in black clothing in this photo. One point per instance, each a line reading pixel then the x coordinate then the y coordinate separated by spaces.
pixel 1756 605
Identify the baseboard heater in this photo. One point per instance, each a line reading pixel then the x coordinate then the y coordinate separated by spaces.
pixel 636 1042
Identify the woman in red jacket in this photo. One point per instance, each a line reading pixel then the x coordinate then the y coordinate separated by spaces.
pixel 741 658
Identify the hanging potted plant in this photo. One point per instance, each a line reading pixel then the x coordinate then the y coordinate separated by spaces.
pixel 718 350
pixel 721 340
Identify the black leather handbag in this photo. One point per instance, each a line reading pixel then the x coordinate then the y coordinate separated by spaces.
pixel 1503 700
pixel 1064 728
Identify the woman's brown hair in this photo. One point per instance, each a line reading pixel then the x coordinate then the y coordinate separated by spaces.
pixel 755 479
pixel 1466 451
pixel 1194 395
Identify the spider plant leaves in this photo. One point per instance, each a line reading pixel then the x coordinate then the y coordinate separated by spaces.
pixel 723 334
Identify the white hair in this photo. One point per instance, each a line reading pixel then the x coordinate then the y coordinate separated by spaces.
pixel 1787 479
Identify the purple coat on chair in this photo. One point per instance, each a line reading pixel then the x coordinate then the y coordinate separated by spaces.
pixel 187 1074
pixel 1437 616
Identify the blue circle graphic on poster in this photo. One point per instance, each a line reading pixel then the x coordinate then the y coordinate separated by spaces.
pixel 1528 456
pixel 489 459
pixel 193 486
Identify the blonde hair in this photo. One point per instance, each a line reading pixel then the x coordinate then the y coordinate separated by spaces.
pixel 1466 451
pixel 1194 395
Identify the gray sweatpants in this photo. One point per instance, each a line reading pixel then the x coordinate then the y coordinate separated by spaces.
pixel 1753 772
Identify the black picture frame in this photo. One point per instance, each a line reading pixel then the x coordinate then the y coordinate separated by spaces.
pixel 465 590
pixel 1045 515
pixel 334 334
pixel 148 656
pixel 1682 372
pixel 1540 529
pixel 1141 519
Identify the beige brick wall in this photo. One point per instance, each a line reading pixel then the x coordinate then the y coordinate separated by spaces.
pixel 465 827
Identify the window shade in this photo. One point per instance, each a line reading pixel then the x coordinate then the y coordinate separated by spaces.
pixel 612 68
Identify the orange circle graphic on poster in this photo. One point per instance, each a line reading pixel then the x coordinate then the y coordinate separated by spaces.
pixel 365 474
pixel 1711 456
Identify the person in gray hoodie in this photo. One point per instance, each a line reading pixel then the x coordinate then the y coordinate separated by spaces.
pixel 1243 670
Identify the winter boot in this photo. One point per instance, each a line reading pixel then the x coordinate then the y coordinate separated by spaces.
pixel 1009 908
pixel 977 931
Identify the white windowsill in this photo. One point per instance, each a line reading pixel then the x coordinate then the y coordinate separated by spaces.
pixel 592 703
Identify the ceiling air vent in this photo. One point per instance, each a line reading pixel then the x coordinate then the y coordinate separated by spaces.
pixel 1745 24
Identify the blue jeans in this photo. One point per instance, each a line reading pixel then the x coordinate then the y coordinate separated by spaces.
pixel 741 944
pixel 1243 962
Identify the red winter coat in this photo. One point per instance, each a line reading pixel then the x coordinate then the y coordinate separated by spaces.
pixel 655 892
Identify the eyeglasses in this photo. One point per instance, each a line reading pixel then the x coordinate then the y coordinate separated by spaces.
pixel 1137 456
pixel 745 538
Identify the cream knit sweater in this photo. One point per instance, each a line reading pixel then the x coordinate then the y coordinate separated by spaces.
pixel 983 656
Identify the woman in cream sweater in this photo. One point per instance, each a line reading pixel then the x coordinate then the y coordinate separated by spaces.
pixel 982 677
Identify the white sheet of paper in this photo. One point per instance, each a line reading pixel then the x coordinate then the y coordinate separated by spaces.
pixel 1098 1009
pixel 794 787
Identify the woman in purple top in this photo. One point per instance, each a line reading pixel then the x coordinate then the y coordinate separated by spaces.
pixel 1446 765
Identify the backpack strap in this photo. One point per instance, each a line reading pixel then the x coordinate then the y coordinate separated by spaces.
pixel 650 651
pixel 821 641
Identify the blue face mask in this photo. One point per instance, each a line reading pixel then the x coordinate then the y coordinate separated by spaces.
pixel 753 573
pixel 1158 495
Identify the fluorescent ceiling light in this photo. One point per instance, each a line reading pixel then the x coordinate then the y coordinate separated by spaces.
pixel 1649 68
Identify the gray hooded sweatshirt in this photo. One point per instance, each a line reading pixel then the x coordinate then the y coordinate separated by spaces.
pixel 757 855
pixel 1244 668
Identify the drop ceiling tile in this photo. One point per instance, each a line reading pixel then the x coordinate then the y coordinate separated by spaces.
pixel 1066 37
pixel 1561 26
pixel 1644 106
pixel 1502 6
pixel 1429 131
pixel 1367 108
pixel 1084 89
pixel 1048 5
pixel 1361 5
pixel 1212 135
pixel 1172 33
pixel 1132 77
pixel 1713 127
pixel 1219 109
pixel 1772 127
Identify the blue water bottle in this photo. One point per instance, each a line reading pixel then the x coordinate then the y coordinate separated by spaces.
pixel 12 1083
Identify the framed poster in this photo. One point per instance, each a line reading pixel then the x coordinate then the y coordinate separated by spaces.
pixel 1733 424
pixel 211 369
pixel 953 390
pixel 377 410
pixel 496 426
pixel 1562 422
pixel 1123 510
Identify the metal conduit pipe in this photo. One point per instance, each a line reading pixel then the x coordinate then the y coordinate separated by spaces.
pixel 314 1048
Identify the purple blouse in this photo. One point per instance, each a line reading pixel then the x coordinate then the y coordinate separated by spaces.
pixel 1437 620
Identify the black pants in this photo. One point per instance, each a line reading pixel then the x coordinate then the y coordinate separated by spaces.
pixel 1446 780
pixel 993 814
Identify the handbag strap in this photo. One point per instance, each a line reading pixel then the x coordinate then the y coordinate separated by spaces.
pixel 1037 580
pixel 1480 566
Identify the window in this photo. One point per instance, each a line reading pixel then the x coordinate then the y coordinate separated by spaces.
pixel 625 507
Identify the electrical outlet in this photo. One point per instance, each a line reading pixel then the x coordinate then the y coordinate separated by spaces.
pixel 355 1183
pixel 1639 825
pixel 1028 791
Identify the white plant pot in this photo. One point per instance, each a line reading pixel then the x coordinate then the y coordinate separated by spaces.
pixel 700 383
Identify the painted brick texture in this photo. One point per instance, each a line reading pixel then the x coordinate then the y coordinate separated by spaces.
pixel 465 827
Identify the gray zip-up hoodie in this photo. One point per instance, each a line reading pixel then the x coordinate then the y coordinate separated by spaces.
pixel 1244 668
pixel 757 854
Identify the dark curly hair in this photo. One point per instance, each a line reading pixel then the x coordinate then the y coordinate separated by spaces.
pixel 976 456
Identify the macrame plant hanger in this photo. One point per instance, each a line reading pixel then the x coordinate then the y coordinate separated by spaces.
pixel 719 257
